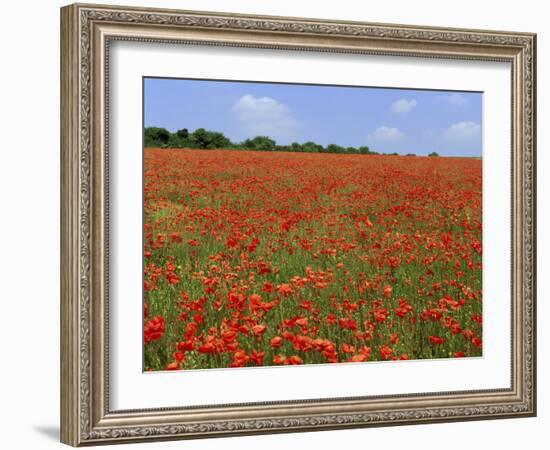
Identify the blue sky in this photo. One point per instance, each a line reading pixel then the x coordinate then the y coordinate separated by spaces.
pixel 387 120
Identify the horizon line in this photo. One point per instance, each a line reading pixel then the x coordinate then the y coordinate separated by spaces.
pixel 287 145
pixel 407 155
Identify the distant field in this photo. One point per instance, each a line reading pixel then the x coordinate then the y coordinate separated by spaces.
pixel 273 258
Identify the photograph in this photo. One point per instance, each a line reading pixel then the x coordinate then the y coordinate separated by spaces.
pixel 288 224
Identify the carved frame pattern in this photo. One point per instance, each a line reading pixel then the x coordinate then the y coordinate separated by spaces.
pixel 86 418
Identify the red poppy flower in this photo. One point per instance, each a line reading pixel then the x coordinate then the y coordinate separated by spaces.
pixel 294 360
pixel 477 342
pixel 380 315
pixel 386 352
pixel 257 357
pixel 267 287
pixel 347 348
pixel 259 330
pixel 240 358
pixel 279 359
pixel 437 340
pixel 153 329
pixel 285 289
pixel 186 346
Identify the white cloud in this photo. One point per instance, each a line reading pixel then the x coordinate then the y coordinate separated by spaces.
pixel 385 134
pixel 403 105
pixel 265 116
pixel 453 99
pixel 462 131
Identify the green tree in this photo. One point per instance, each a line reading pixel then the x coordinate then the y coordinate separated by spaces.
pixel 311 147
pixel 433 154
pixel 296 147
pixel 262 143
pixel 201 138
pixel 333 148
pixel 183 133
pixel 156 137
pixel 218 140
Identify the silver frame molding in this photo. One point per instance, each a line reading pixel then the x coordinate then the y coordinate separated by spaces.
pixel 86 33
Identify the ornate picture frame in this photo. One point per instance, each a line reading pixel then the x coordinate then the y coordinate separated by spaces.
pixel 87 31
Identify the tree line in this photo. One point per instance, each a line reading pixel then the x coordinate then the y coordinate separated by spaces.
pixel 204 139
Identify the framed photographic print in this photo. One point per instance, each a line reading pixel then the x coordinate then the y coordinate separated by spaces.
pixel 279 224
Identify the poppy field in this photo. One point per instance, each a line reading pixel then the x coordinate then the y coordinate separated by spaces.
pixel 275 258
